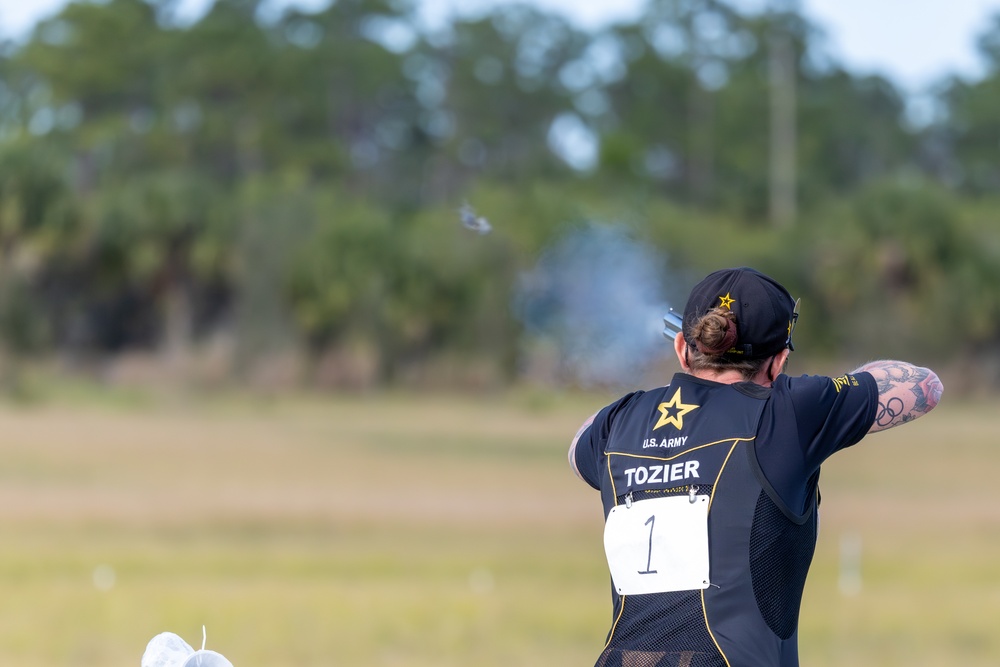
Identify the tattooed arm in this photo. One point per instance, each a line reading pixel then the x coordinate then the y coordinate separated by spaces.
pixel 905 392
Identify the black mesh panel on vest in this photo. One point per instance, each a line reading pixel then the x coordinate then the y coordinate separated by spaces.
pixel 780 554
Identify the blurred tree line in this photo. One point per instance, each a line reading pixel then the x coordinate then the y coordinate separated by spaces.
pixel 290 184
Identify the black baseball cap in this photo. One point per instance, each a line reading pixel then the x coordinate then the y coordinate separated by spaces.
pixel 765 311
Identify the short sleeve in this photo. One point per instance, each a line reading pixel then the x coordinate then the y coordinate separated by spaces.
pixel 591 444
pixel 832 413
pixel 808 419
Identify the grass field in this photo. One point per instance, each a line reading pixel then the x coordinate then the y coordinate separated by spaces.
pixel 434 530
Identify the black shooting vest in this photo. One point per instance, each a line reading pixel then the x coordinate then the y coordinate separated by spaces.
pixel 759 552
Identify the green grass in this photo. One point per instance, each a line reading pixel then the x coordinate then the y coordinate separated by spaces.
pixel 434 530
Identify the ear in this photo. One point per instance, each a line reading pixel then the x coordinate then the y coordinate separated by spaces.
pixel 779 360
pixel 680 348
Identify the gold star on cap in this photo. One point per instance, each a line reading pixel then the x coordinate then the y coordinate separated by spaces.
pixel 726 301
pixel 673 411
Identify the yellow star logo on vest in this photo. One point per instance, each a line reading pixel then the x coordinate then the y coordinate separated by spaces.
pixel 673 411
pixel 726 301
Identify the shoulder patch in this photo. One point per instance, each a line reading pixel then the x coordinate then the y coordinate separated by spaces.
pixel 844 381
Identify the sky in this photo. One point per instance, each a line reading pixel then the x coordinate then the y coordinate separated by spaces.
pixel 912 42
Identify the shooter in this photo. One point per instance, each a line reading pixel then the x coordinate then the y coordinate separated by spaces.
pixel 709 571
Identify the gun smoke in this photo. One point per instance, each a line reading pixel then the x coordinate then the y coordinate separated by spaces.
pixel 596 294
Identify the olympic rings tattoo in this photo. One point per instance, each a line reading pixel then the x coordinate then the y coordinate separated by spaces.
pixel 889 411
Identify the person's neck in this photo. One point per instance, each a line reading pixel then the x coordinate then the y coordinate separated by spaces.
pixel 729 377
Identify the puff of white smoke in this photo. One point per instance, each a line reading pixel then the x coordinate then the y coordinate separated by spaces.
pixel 597 293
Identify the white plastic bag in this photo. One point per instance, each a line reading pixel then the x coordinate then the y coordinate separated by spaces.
pixel 206 658
pixel 168 650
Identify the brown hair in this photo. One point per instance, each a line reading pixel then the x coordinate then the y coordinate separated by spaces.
pixel 714 334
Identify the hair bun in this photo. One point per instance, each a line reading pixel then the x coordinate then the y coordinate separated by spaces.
pixel 716 334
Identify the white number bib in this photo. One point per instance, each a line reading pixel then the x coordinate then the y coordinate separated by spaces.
pixel 658 545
